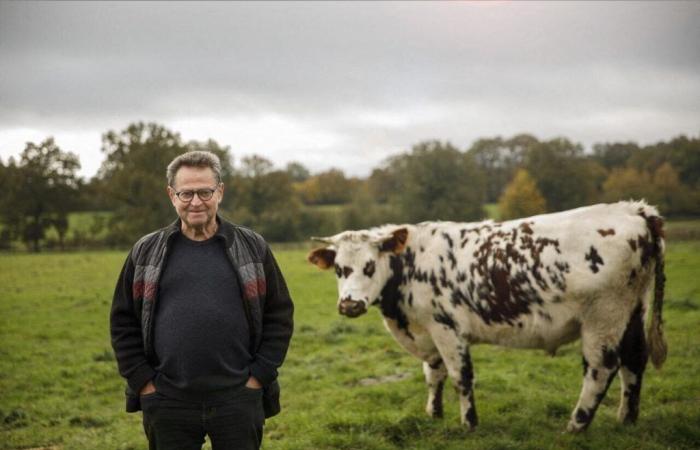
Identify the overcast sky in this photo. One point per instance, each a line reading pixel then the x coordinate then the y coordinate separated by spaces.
pixel 347 84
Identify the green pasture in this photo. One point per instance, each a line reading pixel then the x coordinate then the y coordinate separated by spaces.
pixel 346 384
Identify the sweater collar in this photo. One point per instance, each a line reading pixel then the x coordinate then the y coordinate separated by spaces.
pixel 225 230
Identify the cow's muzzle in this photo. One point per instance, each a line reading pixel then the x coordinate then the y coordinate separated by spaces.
pixel 351 308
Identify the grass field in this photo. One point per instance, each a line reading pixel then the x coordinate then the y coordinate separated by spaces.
pixel 346 384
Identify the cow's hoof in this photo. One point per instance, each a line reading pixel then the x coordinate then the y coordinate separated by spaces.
pixel 434 413
pixel 625 418
pixel 575 427
pixel 469 427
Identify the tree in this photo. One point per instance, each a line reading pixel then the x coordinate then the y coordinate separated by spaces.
pixel 264 199
pixel 627 183
pixel 258 188
pixel 364 211
pixel 9 215
pixel 684 156
pixel 297 172
pixel 40 192
pixel 255 166
pixel 498 159
pixel 670 195
pixel 681 152
pixel 133 177
pixel 326 188
pixel 437 182
pixel 563 175
pixel 614 155
pixel 380 184
pixel 521 198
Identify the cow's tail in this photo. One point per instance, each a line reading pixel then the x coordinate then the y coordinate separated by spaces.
pixel 655 335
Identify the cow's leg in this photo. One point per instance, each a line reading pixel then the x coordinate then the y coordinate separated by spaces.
pixel 601 360
pixel 420 344
pixel 435 375
pixel 455 355
pixel 633 360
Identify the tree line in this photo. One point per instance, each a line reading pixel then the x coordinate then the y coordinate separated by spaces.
pixel 434 180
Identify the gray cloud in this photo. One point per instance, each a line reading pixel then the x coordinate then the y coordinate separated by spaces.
pixel 377 76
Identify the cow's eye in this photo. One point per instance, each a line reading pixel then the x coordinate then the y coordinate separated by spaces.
pixel 338 270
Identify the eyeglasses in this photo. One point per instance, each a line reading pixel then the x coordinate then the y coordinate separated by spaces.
pixel 203 194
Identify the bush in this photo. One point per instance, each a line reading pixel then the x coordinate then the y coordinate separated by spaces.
pixel 521 198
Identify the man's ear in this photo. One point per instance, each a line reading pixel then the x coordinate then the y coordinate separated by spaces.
pixel 322 257
pixel 220 187
pixel 171 194
pixel 395 242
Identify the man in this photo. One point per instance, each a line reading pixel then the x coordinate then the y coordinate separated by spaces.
pixel 201 320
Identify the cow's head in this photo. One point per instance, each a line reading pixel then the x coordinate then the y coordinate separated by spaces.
pixel 361 263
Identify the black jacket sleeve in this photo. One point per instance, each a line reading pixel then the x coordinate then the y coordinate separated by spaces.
pixel 125 329
pixel 277 324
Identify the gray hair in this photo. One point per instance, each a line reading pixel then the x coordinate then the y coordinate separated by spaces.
pixel 195 158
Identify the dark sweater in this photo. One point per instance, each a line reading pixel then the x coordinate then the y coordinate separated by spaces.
pixel 201 334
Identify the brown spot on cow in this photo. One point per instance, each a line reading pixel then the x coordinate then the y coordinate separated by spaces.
pixel 608 232
pixel 633 244
pixel 525 227
pixel 507 278
pixel 507 298
pixel 499 278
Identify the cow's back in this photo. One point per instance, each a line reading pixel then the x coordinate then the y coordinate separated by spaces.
pixel 606 246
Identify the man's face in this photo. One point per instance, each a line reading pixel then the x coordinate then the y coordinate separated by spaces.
pixel 196 213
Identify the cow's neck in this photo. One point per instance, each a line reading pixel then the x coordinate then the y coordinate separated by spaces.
pixel 391 297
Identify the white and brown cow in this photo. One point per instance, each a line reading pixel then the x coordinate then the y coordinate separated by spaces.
pixel 539 282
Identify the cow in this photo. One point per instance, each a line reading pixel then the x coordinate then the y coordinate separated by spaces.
pixel 538 282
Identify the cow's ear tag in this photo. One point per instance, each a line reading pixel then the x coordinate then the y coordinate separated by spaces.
pixel 322 257
pixel 396 242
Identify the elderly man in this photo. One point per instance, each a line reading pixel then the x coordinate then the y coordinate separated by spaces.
pixel 201 320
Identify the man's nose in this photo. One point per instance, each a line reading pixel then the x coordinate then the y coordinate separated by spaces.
pixel 196 200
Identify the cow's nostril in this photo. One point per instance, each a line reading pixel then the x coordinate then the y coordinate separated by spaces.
pixel 351 308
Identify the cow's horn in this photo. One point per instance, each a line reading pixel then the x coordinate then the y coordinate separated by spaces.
pixel 323 240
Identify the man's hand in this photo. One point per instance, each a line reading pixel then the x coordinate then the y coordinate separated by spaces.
pixel 253 383
pixel 149 388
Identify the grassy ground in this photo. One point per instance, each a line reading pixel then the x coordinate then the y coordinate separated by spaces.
pixel 346 384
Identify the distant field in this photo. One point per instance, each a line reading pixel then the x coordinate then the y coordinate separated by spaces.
pixel 346 384
pixel 492 211
pixel 82 222
pixel 87 229
pixel 684 230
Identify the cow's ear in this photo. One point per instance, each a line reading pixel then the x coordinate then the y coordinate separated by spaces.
pixel 396 242
pixel 322 257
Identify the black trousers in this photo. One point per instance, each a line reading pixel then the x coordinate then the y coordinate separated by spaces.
pixel 172 424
